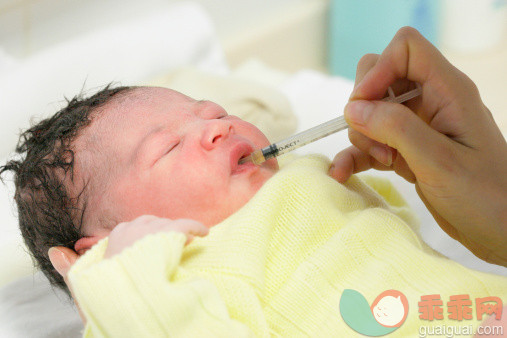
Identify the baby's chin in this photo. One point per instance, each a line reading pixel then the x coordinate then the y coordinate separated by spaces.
pixel 264 174
pixel 235 201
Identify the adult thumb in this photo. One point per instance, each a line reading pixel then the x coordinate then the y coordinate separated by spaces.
pixel 400 128
pixel 62 259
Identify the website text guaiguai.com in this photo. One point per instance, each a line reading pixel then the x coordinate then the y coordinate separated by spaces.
pixel 457 330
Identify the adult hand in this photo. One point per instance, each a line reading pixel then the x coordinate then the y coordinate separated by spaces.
pixel 62 259
pixel 445 141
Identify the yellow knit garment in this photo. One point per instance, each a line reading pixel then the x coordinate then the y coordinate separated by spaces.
pixel 277 267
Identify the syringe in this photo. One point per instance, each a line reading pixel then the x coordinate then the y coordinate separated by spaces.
pixel 316 133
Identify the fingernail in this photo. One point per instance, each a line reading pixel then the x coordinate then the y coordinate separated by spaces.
pixel 389 157
pixel 358 111
pixel 381 154
pixel 57 264
pixel 53 250
pixel 354 91
pixel 331 169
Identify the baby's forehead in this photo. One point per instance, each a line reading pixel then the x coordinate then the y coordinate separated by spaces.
pixel 126 116
pixel 120 108
pixel 90 142
pixel 141 99
pixel 125 99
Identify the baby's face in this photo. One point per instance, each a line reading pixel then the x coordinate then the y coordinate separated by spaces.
pixel 162 153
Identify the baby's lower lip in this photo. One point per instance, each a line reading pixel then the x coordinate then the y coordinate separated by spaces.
pixel 245 167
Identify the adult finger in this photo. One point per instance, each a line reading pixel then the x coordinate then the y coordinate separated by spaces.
pixel 63 259
pixel 367 62
pixel 385 155
pixel 398 127
pixel 408 56
pixel 379 151
pixel 353 160
pixel 364 65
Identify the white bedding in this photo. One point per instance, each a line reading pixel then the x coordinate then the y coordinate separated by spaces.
pixel 28 306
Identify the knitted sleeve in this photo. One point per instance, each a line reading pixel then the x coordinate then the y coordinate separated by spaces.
pixel 133 294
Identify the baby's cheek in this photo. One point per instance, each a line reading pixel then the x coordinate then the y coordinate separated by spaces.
pixel 253 133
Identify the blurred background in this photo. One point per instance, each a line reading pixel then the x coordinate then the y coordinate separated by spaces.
pixel 288 35
pixel 337 30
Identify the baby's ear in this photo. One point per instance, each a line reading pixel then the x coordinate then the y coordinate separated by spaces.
pixel 62 259
pixel 85 243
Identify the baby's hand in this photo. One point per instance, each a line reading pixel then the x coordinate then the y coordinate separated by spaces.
pixel 125 234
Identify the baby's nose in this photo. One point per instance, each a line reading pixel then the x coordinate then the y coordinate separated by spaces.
pixel 215 132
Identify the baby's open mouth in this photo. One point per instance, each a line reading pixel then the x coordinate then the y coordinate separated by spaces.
pixel 239 157
pixel 245 158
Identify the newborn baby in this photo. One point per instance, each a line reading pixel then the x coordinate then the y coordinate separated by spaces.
pixel 152 168
pixel 127 152
pixel 162 153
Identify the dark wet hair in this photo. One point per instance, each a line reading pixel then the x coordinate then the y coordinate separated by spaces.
pixel 48 215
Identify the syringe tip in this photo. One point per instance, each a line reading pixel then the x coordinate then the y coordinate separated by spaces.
pixel 256 158
pixel 245 159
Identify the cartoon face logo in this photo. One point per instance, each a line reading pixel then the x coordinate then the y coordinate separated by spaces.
pixel 390 308
pixel 386 314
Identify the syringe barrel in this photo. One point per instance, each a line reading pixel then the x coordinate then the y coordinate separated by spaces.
pixel 324 129
pixel 305 137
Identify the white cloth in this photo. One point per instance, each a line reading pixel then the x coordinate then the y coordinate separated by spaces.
pixel 127 54
pixel 29 307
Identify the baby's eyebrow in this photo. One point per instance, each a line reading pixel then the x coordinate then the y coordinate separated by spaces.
pixel 202 108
